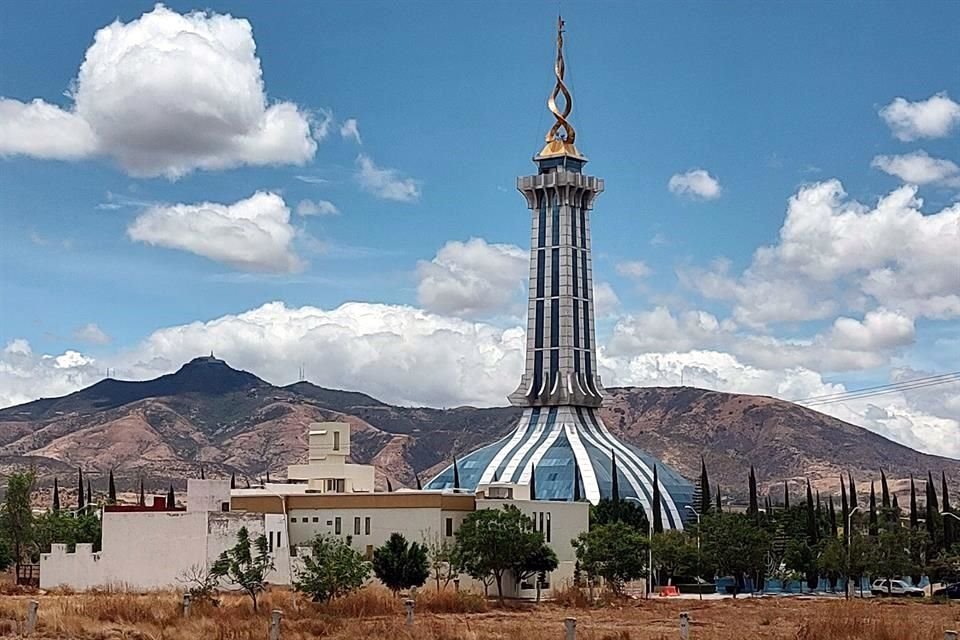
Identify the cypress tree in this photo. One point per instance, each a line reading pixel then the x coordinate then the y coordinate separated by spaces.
pixel 533 481
pixel 89 494
pixel 949 524
pixel 576 480
pixel 248 482
pixel 389 486
pixel 233 480
pixel 417 477
pixel 832 514
pixel 704 489
pixel 844 506
pixel 56 495
pixel 811 517
pixel 933 518
pixel 786 495
pixel 143 496
pixel 268 477
pixel 456 475
pixel 819 516
pixel 884 491
pixel 111 490
pixel 753 508
pixel 914 512
pixel 171 498
pixel 854 502
pixel 896 508
pixel 719 508
pixel 81 501
pixel 657 516
pixel 202 474
pixel 874 527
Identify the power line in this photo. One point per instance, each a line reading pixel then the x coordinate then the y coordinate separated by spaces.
pixel 879 390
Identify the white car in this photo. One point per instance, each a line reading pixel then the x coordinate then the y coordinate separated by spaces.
pixel 895 588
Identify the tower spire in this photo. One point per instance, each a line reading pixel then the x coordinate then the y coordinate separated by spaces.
pixel 560 144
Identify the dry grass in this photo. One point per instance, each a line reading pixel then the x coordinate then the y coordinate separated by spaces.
pixel 375 613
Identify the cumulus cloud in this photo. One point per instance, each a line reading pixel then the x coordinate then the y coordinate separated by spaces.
pixel 606 302
pixel 317 208
pixel 919 168
pixel 835 254
pixel 164 95
pixel 91 333
pixel 387 184
pixel 697 184
pixel 934 117
pixel 26 376
pixel 351 129
pixel 251 235
pixel 472 278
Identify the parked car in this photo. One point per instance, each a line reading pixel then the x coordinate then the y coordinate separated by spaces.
pixel 885 587
pixel 951 591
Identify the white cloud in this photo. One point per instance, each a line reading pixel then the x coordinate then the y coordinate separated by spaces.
pixel 835 254
pixel 351 129
pixel 635 269
pixel 252 235
pixel 472 278
pixel 26 376
pixel 919 168
pixel 695 183
pixel 661 330
pixel 91 333
pixel 164 95
pixel 606 303
pixel 387 184
pixel 43 130
pixel 934 117
pixel 317 208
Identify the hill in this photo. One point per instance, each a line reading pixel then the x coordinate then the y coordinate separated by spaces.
pixel 209 414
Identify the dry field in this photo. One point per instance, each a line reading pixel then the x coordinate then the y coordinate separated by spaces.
pixel 375 614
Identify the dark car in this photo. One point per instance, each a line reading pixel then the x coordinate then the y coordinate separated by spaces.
pixel 951 591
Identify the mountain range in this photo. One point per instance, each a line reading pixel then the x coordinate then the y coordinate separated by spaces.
pixel 211 416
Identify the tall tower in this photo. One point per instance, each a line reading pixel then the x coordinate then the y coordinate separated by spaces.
pixel 560 433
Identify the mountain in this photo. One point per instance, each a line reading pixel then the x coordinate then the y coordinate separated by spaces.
pixel 211 415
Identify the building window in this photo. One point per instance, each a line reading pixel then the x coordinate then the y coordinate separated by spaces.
pixel 224 506
pixel 356 526
pixel 548 527
pixel 336 441
pixel 316 519
pixel 278 540
pixel 541 522
pixel 337 525
pixel 366 526
pixel 270 534
pixel 293 521
pixel 449 527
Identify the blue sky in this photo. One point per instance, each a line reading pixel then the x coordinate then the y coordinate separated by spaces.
pixel 448 100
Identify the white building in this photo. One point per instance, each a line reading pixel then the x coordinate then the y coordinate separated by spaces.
pixel 156 547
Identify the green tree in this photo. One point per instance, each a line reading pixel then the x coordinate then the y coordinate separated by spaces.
pixel 539 561
pixel 16 516
pixel 81 501
pixel 753 507
pixel 832 561
pixel 934 520
pixel 735 545
pixel 844 510
pixel 615 552
pixel 949 524
pixel 704 506
pixel 606 511
pixel 111 489
pixel 6 554
pixel 400 564
pixel 674 554
pixel 891 554
pixel 945 567
pixel 884 491
pixel 244 568
pixel 443 558
pixel 493 541
pixel 332 569
pixel 56 495
pixel 874 521
pixel 171 498
pixel 657 514
pixel 802 558
pixel 914 512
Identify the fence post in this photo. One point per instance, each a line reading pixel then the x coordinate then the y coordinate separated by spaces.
pixel 409 603
pixel 186 605
pixel 570 624
pixel 949 635
pixel 275 624
pixel 31 617
pixel 684 625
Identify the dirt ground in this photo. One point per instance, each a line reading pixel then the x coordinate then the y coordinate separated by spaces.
pixel 120 616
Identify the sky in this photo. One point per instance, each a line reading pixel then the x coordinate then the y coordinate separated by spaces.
pixel 331 187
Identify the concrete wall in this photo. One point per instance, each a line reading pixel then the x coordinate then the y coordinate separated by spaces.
pixel 207 495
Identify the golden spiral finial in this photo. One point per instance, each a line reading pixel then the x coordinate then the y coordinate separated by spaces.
pixel 560 144
pixel 559 68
